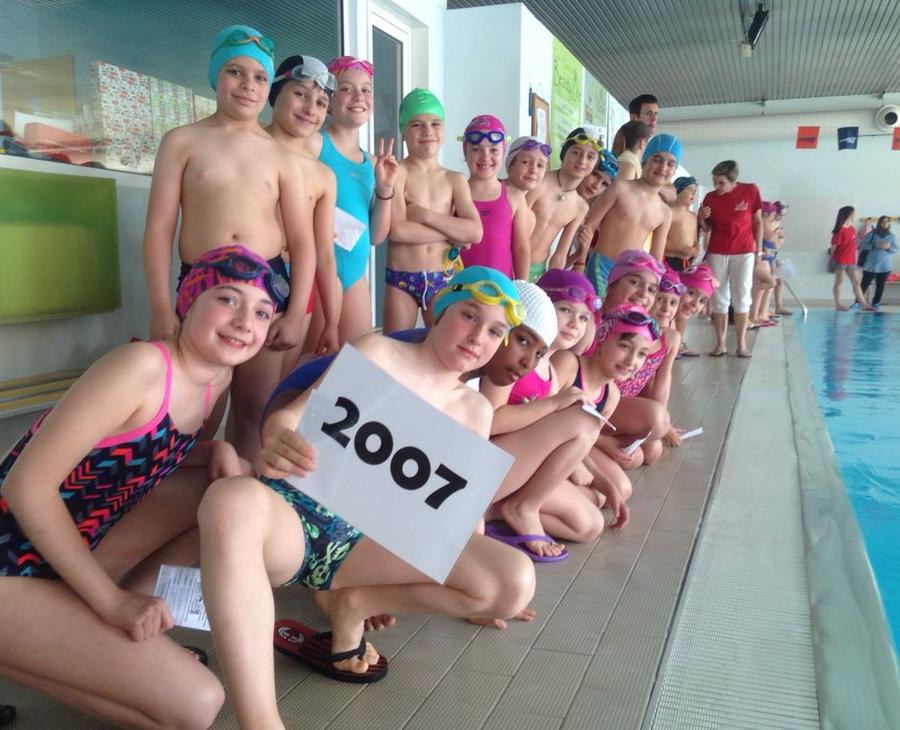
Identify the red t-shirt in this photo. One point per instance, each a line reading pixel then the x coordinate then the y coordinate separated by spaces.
pixel 731 220
pixel 844 246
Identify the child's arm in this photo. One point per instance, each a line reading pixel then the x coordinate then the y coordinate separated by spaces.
pixel 508 418
pixel 463 226
pixel 162 219
pixel 598 210
pixel 386 171
pixel 561 255
pixel 660 234
pixel 521 234
pixel 102 402
pixel 327 284
pixel 404 230
pixel 296 217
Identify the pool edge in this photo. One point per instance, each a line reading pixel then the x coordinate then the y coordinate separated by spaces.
pixel 856 667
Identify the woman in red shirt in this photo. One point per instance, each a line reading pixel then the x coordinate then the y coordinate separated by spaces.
pixel 843 253
pixel 732 216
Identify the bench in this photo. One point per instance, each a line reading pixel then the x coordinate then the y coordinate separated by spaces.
pixel 34 393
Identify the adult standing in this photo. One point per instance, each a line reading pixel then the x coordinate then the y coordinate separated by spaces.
pixel 878 247
pixel 732 216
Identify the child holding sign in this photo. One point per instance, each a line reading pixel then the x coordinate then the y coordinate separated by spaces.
pixel 99 492
pixel 257 533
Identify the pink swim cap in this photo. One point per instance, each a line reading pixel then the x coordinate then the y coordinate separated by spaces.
pixel 228 265
pixel 348 63
pixel 627 318
pixel 671 282
pixel 633 260
pixel 700 277
pixel 484 123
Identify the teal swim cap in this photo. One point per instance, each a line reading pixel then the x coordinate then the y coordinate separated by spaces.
pixel 475 282
pixel 420 101
pixel 241 40
pixel 663 143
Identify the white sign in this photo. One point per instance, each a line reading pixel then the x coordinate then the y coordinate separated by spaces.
pixel 396 468
pixel 179 586
pixel 690 434
pixel 347 229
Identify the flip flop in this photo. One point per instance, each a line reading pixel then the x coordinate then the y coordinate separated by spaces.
pixel 718 354
pixel 313 649
pixel 743 353
pixel 7 715
pixel 502 532
pixel 689 353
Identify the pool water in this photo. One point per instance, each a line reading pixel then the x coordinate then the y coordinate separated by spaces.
pixel 854 367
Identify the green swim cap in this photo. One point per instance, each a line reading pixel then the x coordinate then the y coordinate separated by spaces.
pixel 419 101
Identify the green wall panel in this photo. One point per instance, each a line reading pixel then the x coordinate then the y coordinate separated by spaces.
pixel 59 248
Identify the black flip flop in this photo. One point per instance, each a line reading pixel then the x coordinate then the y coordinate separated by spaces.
pixel 313 650
pixel 7 715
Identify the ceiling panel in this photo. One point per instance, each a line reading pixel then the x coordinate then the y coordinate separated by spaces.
pixel 686 52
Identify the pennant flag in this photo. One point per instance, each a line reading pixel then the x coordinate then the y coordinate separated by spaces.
pixel 895 142
pixel 847 138
pixel 807 138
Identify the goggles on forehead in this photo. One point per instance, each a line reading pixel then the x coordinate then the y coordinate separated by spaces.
pixel 489 292
pixel 475 136
pixel 240 267
pixel 673 286
pixel 239 37
pixel 532 144
pixel 323 78
pixel 639 258
pixel 634 318
pixel 582 138
pixel 578 294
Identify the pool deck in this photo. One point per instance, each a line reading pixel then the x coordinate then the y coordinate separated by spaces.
pixel 696 615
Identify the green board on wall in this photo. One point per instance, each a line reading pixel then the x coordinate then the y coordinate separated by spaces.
pixel 58 246
pixel 565 100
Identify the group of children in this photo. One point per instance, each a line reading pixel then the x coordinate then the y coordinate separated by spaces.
pixel 566 371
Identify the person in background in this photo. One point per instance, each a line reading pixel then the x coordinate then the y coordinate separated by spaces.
pixel 843 253
pixel 878 247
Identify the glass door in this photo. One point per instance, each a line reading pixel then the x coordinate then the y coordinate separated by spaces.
pixel 390 55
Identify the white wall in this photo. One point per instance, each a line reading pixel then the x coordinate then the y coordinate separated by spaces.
pixel 75 342
pixel 814 183
pixel 493 56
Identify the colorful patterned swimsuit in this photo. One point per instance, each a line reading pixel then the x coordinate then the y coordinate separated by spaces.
pixel 632 387
pixel 105 485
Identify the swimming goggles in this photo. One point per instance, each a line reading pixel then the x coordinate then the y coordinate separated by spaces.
pixel 635 319
pixel 475 136
pixel 453 260
pixel 578 294
pixel 349 63
pixel 532 144
pixel 244 269
pixel 322 77
pixel 239 37
pixel 489 292
pixel 582 138
pixel 640 259
pixel 672 285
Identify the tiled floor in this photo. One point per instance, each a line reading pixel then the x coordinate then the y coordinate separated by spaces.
pixel 589 659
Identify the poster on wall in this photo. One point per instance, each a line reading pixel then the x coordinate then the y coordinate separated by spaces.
pixel 595 104
pixel 895 141
pixel 807 138
pixel 565 99
pixel 847 138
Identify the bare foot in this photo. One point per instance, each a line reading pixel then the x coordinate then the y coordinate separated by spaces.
pixel 743 352
pixel 842 307
pixel 718 352
pixel 526 614
pixel 347 628
pixel 526 522
pixel 379 622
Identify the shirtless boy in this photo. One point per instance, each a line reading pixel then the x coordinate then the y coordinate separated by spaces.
pixel 433 213
pixel 229 179
pixel 299 98
pixel 556 204
pixel 682 244
pixel 634 137
pixel 629 213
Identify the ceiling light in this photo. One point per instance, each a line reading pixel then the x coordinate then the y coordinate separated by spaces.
pixel 760 17
pixel 746 50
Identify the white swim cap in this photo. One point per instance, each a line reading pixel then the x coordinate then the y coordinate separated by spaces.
pixel 540 314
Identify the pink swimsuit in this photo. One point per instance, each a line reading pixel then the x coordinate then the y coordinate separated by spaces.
pixel 495 248
pixel 632 387
pixel 530 387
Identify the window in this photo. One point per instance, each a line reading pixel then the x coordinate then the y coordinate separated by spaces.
pixel 99 82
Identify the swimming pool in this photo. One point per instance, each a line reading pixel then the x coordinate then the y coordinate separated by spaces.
pixel 854 367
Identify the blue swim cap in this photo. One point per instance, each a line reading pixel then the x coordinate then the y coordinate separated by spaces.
pixel 663 143
pixel 608 163
pixel 449 296
pixel 241 40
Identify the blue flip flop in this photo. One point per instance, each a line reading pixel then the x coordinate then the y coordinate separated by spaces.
pixel 504 533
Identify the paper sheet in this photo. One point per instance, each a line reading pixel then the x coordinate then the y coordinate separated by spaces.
pixel 179 587
pixel 347 229
pixel 690 434
pixel 634 445
pixel 596 414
